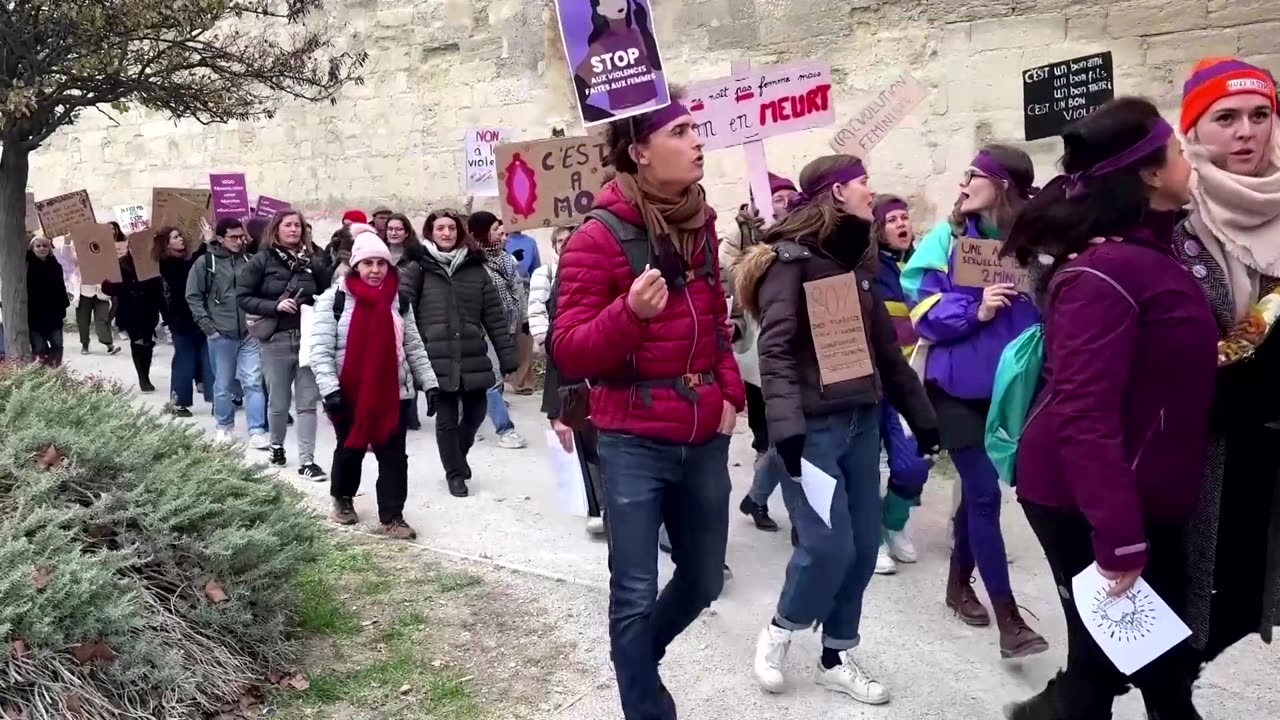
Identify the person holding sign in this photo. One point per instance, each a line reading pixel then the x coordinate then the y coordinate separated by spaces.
pixel 640 312
pixel 966 328
pixel 827 347
pixel 138 310
pixel 1109 462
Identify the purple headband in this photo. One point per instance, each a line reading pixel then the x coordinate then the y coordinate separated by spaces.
pixel 844 174
pixel 883 209
pixel 1077 183
pixel 987 163
pixel 647 125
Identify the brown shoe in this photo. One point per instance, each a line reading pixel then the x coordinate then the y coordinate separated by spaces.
pixel 399 530
pixel 1017 639
pixel 962 599
pixel 344 511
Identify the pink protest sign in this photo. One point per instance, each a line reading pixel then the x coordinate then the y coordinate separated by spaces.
pixel 761 102
pixel 230 197
pixel 269 206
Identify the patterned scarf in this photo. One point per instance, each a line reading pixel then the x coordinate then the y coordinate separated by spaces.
pixel 502 269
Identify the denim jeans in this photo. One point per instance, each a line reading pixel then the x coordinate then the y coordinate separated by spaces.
pixel 190 364
pixel 237 361
pixel 646 484
pixel 768 473
pixel 497 410
pixel 831 566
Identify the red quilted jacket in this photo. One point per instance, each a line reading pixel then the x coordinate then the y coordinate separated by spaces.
pixel 597 336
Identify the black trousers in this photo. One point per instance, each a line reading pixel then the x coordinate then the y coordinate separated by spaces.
pixel 393 467
pixel 1087 687
pixel 458 417
pixel 756 418
pixel 584 441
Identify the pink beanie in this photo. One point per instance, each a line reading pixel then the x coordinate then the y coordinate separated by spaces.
pixel 368 245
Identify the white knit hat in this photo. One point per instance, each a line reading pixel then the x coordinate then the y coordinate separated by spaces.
pixel 368 245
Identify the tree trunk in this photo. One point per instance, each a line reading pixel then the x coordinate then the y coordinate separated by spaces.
pixel 14 166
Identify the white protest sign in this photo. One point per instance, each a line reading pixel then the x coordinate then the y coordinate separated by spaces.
pixel 869 125
pixel 757 103
pixel 132 218
pixel 1132 629
pixel 480 165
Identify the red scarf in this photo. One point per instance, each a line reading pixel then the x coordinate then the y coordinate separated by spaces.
pixel 370 379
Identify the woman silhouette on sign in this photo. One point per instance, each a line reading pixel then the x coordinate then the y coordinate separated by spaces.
pixel 617 26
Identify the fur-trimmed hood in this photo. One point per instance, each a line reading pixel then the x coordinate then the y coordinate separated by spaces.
pixel 748 272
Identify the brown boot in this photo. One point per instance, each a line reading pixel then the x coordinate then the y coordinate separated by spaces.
pixel 399 530
pixel 344 511
pixel 962 599
pixel 1017 639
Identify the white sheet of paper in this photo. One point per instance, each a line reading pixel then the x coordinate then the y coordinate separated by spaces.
pixel 306 321
pixel 1132 629
pixel 571 488
pixel 819 488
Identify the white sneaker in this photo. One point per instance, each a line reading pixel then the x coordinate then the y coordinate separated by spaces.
pixel 850 679
pixel 595 526
pixel 771 653
pixel 884 563
pixel 259 441
pixel 223 437
pixel 511 441
pixel 900 546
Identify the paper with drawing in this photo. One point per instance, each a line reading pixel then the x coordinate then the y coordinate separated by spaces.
pixel 1132 629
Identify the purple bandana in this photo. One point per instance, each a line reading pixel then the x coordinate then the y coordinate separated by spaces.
pixel 647 125
pixel 883 209
pixel 991 167
pixel 1077 183
pixel 847 173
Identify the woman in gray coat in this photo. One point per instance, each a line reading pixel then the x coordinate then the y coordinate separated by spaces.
pixel 368 358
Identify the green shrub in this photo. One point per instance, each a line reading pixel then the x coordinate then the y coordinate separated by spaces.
pixel 128 533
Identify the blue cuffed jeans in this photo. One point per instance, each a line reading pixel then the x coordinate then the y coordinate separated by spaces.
pixel 646 484
pixel 190 361
pixel 831 566
pixel 497 410
pixel 237 361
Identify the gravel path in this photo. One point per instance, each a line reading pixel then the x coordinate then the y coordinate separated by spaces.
pixel 935 666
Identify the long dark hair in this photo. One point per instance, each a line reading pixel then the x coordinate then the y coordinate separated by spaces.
pixel 412 244
pixel 464 239
pixel 1009 201
pixel 637 17
pixel 1054 225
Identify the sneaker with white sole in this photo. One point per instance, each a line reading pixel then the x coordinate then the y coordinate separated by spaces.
pixel 771 653
pixel 853 681
pixel 259 441
pixel 595 526
pixel 900 546
pixel 511 440
pixel 884 563
pixel 222 436
pixel 313 472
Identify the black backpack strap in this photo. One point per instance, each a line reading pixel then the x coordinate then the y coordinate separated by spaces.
pixel 634 239
pixel 339 303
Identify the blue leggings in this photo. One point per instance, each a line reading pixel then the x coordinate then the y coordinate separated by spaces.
pixel 977 526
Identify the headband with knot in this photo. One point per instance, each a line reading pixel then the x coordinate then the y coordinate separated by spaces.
pixel 1076 184
pixel 824 182
pixel 990 166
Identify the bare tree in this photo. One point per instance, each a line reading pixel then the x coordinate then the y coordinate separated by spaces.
pixel 208 60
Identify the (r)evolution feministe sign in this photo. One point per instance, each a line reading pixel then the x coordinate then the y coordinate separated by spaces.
pixel 1060 93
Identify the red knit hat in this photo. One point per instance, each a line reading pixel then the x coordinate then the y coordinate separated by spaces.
pixel 355 216
pixel 777 182
pixel 1214 78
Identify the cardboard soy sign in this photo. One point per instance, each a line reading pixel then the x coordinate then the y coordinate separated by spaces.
pixel 839 338
pixel 762 102
pixel 59 214
pixel 613 57
pixel 873 122
pixel 978 264
pixel 549 183
pixel 479 162
pixel 1058 94
pixel 95 253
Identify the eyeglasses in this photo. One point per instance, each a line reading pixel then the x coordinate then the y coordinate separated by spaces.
pixel 237 236
pixel 970 174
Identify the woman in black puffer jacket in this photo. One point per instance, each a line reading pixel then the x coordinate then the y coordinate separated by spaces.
pixel 46 302
pixel 139 303
pixel 190 364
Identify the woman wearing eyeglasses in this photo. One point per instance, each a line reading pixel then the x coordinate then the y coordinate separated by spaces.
pixel 966 329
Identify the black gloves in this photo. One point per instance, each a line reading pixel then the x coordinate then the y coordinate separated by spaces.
pixel 790 450
pixel 928 441
pixel 333 404
pixel 433 395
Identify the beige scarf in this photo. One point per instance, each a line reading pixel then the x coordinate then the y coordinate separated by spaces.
pixel 680 218
pixel 1237 219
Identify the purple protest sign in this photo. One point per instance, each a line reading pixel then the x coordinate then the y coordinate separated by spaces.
pixel 268 207
pixel 613 58
pixel 230 198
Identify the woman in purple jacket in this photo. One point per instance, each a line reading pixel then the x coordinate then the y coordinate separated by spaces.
pixel 966 329
pixel 1109 464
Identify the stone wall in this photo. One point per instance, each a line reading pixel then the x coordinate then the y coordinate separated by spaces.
pixel 437 67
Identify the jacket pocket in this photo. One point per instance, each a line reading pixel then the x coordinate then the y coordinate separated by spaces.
pixel 1157 429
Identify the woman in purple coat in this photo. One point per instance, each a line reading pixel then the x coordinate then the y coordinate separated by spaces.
pixel 1109 464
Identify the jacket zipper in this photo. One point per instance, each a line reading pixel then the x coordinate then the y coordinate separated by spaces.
pixel 1047 399
pixel 688 368
pixel 1157 425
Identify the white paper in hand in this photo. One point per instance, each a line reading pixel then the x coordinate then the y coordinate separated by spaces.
pixel 1132 629
pixel 819 488
pixel 571 489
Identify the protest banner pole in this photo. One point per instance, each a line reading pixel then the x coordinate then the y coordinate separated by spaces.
pixel 757 163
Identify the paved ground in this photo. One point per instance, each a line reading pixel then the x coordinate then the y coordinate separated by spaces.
pixel 934 666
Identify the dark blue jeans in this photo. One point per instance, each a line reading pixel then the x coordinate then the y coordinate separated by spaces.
pixel 648 483
pixel 190 361
pixel 831 566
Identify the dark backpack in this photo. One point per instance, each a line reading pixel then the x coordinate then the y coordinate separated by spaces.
pixel 340 304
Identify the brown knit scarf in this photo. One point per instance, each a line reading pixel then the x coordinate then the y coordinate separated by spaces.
pixel 679 219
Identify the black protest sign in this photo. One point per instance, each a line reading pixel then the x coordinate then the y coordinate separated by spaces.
pixel 1055 95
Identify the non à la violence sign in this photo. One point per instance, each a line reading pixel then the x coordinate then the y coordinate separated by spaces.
pixel 761 102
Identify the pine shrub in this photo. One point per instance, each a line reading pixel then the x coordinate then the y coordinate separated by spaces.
pixel 144 573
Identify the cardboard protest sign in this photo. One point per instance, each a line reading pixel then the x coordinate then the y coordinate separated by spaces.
pixel 758 103
pixel 267 207
pixel 839 338
pixel 161 198
pixel 32 222
pixel 142 247
pixel 132 218
pixel 978 264
pixel 480 166
pixel 613 58
pixel 185 216
pixel 1055 95
pixel 59 214
pixel 230 198
pixel 549 183
pixel 869 125
pixel 95 252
